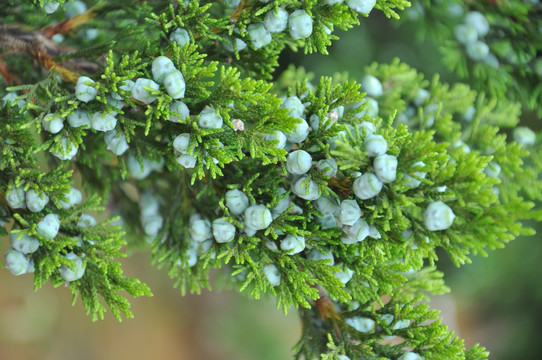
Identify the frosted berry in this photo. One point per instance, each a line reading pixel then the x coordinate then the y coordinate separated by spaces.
pixel 148 205
pixel 272 274
pixel 79 118
pixel 361 6
pixel 223 231
pixel 465 34
pixel 283 203
pixel 86 220
pixel 300 133
pixel 134 168
pixel 179 108
pixel 371 85
pixel 421 97
pixel 326 204
pixel 36 201
pixel 328 167
pixel 413 182
pixel 524 136
pixel 152 224
pixel 50 6
pixel 181 143
pixel 316 255
pixel 361 324
pixel 367 186
pixel 140 93
pixel 24 243
pixel 240 45
pixel 236 201
pixel 75 8
pixel 174 84
pixel 161 66
pixel 180 36
pixel 117 144
pixel 48 227
pixel 258 217
pixel 477 50
pixel 276 20
pixel 209 119
pixel 401 324
pixel 333 2
pixel 102 121
pixel 478 21
pixel 356 233
pixel 292 244
pixel 299 162
pixel 200 229
pixel 52 123
pixel 366 128
pixel 126 86
pixel 306 191
pixel 300 24
pixel 75 270
pixel 295 106
pixel 492 170
pixel 278 137
pixel 16 262
pixel 375 145
pixel 259 35
pixel 371 109
pixel 84 91
pixel 327 221
pixel 438 216
pixel 345 275
pixel 385 167
pixel 410 356
pixel 15 197
pixel 348 212
pixel 67 150
pixel 187 161
pixel 72 197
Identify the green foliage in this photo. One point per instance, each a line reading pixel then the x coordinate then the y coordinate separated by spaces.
pixel 167 194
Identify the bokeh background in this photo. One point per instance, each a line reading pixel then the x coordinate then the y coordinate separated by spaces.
pixel 495 301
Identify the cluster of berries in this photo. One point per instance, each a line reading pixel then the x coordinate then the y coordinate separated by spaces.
pixel 471 34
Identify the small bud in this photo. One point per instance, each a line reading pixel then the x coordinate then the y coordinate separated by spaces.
pixel 84 91
pixel 223 231
pixel 24 243
pixel 73 272
pixel 143 95
pixel 438 216
pixel 292 244
pixel 48 227
pixel 16 262
pixel 52 123
pixel 299 162
pixel 258 217
pixel 35 201
pixel 385 167
pixel 236 201
pixel 161 66
pixel 272 274
pixel 348 212
pixel 367 186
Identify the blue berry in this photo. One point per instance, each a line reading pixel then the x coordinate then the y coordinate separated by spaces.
pixel 187 161
pixel 68 150
pixel 294 104
pixel 50 6
pixel 410 356
pixel 328 167
pixel 179 108
pixel 140 93
pixel 375 145
pixel 259 35
pixel 223 231
pixel 48 227
pixel 277 136
pixel 413 182
pixel 75 270
pixel 421 97
pixel 272 274
pixel 300 133
pixel 16 262
pixel 385 167
pixel 258 217
pixel 465 34
pixel 300 24
pixel 199 229
pixel 79 118
pixel 240 45
pixel 86 220
pixel 478 21
pixel 52 123
pixel 355 233
pixel 348 212
pixel 438 216
pixel 180 36
pixel 75 8
pixel 361 6
pixel 299 162
pixel 524 136
pixel 102 121
pixel 161 66
pixel 345 275
pixel 84 91
pixel 209 119
pixel 371 85
pixel 35 201
pixel 292 244
pixel 307 191
pixel 24 243
pixel 326 204
pixel 276 20
pixel 181 143
pixel 317 255
pixel 152 224
pixel 477 50
pixel 361 324
pixel 117 144
pixel 174 84
pixel 15 197
pixel 367 186
pixel 72 197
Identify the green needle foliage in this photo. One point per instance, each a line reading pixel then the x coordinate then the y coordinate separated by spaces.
pixel 210 179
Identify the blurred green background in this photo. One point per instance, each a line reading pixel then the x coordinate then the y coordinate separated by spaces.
pixel 495 301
